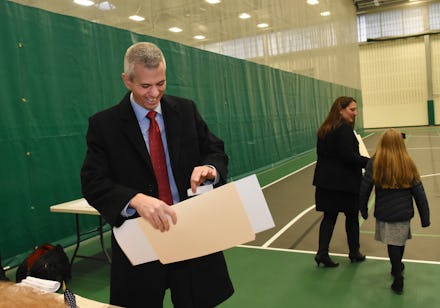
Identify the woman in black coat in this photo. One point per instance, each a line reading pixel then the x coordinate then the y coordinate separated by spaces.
pixel 337 178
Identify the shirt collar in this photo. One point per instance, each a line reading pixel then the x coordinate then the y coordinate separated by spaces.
pixel 140 111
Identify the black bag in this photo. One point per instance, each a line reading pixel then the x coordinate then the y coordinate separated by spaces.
pixel 2 272
pixel 45 262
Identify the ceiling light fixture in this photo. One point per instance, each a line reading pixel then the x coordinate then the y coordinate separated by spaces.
pixel 244 16
pixel 84 2
pixel 136 18
pixel 106 6
pixel 213 1
pixel 175 29
pixel 263 25
pixel 312 2
pixel 199 37
pixel 325 13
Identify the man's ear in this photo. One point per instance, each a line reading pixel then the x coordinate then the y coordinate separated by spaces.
pixel 126 80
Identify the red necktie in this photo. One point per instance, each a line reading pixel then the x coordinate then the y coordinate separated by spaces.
pixel 157 155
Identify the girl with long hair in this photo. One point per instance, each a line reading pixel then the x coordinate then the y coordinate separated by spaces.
pixel 397 182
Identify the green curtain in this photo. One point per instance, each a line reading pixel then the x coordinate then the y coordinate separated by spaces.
pixel 57 71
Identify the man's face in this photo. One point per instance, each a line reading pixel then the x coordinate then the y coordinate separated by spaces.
pixel 148 85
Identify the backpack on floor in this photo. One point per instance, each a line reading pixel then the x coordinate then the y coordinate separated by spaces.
pixel 2 272
pixel 46 262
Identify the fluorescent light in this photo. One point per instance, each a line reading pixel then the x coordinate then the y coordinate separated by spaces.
pixel 136 18
pixel 263 25
pixel 84 2
pixel 244 16
pixel 325 13
pixel 175 29
pixel 106 6
pixel 312 2
pixel 199 37
pixel 213 1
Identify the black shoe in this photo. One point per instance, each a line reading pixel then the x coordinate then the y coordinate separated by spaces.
pixel 402 267
pixel 356 257
pixel 325 259
pixel 397 285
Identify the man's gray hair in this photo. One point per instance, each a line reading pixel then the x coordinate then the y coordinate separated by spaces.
pixel 144 53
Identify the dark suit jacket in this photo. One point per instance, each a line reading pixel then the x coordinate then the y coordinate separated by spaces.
pixel 339 165
pixel 117 167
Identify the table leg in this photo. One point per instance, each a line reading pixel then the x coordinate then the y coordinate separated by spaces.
pixel 78 241
pixel 101 238
pixel 78 238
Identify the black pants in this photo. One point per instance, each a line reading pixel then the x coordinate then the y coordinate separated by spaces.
pixel 196 283
pixel 328 225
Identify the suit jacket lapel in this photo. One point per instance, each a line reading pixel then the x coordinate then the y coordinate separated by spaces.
pixel 173 128
pixel 131 129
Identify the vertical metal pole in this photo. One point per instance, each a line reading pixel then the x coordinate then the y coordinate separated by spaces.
pixel 431 115
pixel 430 101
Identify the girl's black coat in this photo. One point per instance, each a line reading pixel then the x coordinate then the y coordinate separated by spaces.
pixel 393 205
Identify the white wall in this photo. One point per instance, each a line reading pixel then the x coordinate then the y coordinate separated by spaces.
pixel 394 82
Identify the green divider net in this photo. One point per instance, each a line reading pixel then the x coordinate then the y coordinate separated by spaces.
pixel 58 70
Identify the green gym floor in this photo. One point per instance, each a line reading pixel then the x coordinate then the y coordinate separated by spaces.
pixel 278 269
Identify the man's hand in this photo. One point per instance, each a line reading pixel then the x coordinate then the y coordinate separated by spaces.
pixel 201 174
pixel 155 211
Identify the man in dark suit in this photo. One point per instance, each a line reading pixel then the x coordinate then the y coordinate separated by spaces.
pixel 119 180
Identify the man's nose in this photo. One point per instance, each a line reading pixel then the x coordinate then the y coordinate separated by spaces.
pixel 154 91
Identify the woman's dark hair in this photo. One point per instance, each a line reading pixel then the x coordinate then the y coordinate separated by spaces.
pixel 334 118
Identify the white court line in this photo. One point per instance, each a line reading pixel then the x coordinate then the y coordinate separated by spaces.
pixel 335 254
pixel 429 175
pixel 368 135
pixel 300 169
pixel 279 233
pixel 286 176
pixel 428 148
pixel 423 136
pixel 299 216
